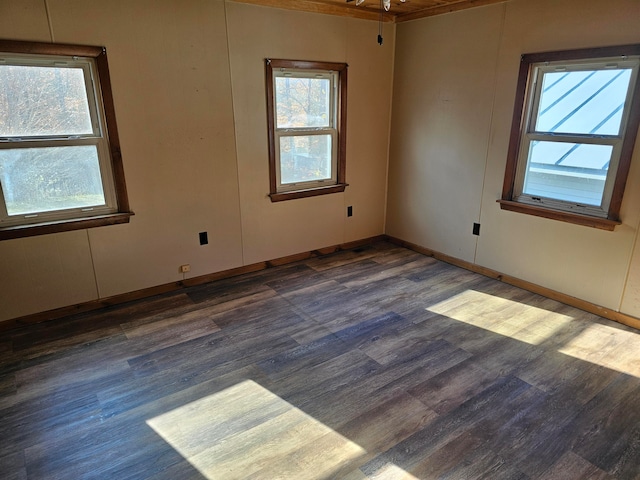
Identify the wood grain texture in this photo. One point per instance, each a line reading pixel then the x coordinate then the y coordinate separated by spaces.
pixel 370 9
pixel 376 362
pixel 531 287
pixel 146 293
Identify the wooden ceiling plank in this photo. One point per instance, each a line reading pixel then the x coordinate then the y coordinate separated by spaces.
pixel 442 9
pixel 370 10
pixel 346 10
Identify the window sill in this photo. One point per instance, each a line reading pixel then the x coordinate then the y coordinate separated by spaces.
pixel 584 220
pixel 44 228
pixel 309 192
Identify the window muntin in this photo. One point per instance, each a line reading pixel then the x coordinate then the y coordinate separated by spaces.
pixel 570 150
pixel 307 122
pixel 57 161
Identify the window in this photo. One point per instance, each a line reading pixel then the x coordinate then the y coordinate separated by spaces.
pixel 574 127
pixel 60 165
pixel 307 115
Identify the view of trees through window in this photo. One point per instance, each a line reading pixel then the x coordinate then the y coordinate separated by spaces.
pixel 40 109
pixel 304 106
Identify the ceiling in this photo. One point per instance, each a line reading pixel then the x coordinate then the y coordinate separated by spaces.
pixel 370 9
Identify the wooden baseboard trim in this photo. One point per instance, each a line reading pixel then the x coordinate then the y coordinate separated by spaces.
pixel 609 314
pixel 84 307
pixel 173 286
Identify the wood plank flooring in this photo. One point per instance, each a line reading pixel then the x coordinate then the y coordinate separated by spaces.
pixel 374 363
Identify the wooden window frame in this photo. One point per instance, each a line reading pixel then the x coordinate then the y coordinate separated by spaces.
pixel 122 211
pixel 507 201
pixel 341 125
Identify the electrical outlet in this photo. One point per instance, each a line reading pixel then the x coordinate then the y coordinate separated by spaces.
pixel 185 268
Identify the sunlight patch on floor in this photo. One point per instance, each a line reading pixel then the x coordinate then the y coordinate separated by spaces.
pixel 608 346
pixel 248 432
pixel 529 324
pixel 391 471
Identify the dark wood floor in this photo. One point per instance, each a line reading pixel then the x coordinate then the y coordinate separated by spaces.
pixel 372 363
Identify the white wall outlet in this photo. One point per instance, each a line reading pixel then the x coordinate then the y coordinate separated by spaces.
pixel 185 268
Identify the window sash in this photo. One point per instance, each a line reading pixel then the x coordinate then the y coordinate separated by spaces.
pixel 332 77
pixel 542 68
pixel 106 177
pixel 524 167
pixel 300 132
pixel 91 82
pixel 330 130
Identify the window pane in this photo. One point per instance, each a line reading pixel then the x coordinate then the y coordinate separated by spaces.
pixel 303 102
pixel 36 101
pixel 571 172
pixel 53 178
pixel 305 158
pixel 584 102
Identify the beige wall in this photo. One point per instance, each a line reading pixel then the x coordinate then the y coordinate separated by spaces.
pixel 188 81
pixel 454 82
pixel 188 84
pixel 272 230
pixel 444 79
